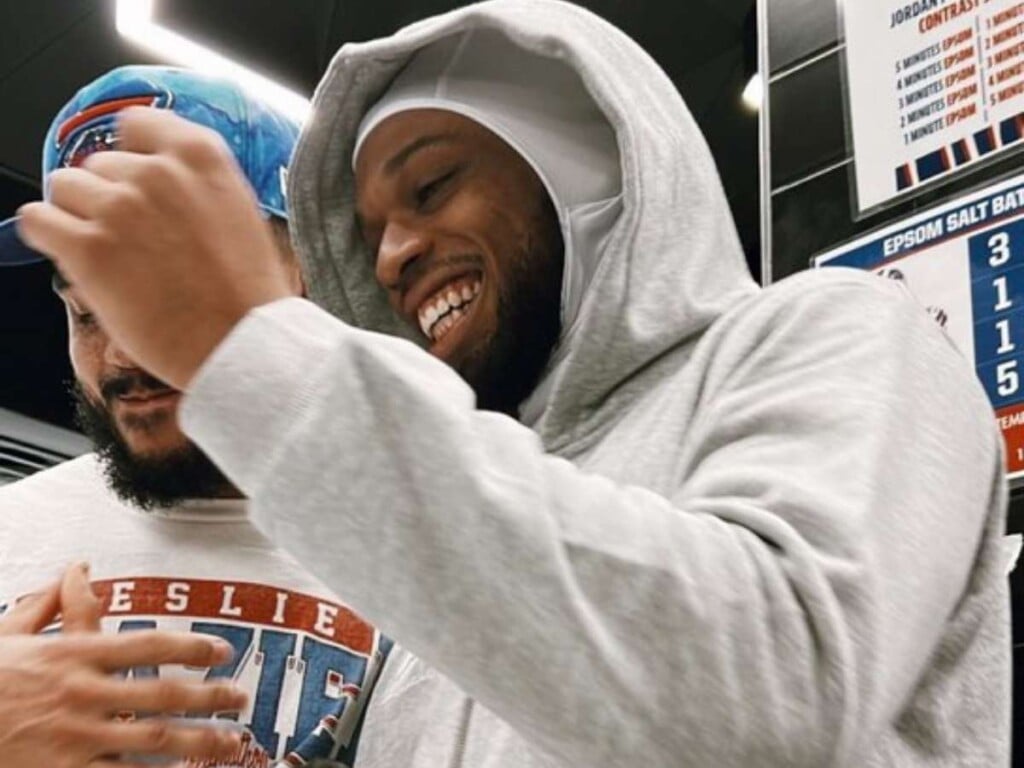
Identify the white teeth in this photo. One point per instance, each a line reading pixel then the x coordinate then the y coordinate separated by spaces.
pixel 437 318
pixel 442 326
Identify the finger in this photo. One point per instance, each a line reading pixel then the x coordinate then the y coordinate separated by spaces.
pixel 156 736
pixel 80 607
pixel 117 165
pixel 136 761
pixel 81 192
pixel 32 614
pixel 53 231
pixel 138 182
pixel 149 648
pixel 111 696
pixel 152 131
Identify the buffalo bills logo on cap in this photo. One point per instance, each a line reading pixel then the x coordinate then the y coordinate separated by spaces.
pixel 261 137
pixel 98 138
pixel 94 128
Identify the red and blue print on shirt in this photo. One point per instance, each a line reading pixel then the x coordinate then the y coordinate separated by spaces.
pixel 307 663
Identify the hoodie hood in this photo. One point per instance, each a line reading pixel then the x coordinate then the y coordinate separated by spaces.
pixel 670 262
pixel 538 106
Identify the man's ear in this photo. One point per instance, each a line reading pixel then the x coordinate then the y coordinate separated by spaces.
pixel 293 270
pixel 293 273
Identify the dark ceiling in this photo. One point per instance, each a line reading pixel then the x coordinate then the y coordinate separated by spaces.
pixel 49 48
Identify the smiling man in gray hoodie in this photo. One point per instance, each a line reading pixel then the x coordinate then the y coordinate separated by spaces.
pixel 725 527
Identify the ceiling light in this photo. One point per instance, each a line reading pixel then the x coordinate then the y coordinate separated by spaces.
pixel 753 94
pixel 135 22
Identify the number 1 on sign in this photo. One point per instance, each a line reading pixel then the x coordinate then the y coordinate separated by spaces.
pixel 1005 342
pixel 1003 302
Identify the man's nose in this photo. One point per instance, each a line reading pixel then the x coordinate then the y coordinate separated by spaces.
pixel 400 246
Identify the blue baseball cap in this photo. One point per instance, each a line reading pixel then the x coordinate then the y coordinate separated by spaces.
pixel 261 137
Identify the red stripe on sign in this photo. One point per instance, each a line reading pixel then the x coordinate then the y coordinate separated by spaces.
pixel 1011 423
pixel 244 602
pixel 98 111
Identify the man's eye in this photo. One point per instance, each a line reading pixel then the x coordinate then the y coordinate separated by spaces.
pixel 85 319
pixel 425 193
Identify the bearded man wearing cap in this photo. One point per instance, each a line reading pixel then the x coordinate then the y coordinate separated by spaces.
pixel 166 533
pixel 616 504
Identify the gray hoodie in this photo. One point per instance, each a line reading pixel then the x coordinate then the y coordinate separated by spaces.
pixel 747 528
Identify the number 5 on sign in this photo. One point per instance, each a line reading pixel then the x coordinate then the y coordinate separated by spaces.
pixel 999 245
pixel 1007 378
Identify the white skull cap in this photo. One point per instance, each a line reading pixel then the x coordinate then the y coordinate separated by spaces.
pixel 540 107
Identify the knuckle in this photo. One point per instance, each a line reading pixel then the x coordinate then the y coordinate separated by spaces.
pixel 75 693
pixel 168 647
pixel 126 198
pixel 29 216
pixel 202 147
pixel 156 173
pixel 130 642
pixel 94 606
pixel 225 694
pixel 94 161
pixel 66 733
pixel 218 742
pixel 212 697
pixel 166 693
pixel 57 183
pixel 159 735
pixel 94 242
pixel 194 649
pixel 58 651
pixel 159 647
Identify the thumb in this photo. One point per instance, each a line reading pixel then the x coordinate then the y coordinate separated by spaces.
pixel 79 605
pixel 32 614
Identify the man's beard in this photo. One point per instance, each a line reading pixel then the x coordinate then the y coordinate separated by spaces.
pixel 148 482
pixel 506 369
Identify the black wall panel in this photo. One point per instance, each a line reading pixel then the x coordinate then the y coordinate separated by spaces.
pixel 807 127
pixel 799 29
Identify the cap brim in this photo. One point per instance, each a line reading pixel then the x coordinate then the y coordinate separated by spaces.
pixel 13 252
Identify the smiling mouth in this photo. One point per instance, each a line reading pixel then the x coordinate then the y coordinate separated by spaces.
pixel 447 307
pixel 153 397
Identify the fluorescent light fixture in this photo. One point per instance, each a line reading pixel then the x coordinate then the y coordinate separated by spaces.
pixel 753 94
pixel 135 22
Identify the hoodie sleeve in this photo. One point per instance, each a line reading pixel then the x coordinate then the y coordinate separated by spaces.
pixel 776 610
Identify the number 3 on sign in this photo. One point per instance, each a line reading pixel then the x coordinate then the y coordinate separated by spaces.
pixel 1007 378
pixel 999 245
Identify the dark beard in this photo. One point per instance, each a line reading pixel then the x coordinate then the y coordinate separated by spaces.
pixel 508 367
pixel 146 482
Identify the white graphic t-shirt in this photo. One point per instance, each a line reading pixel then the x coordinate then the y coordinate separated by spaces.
pixel 307 661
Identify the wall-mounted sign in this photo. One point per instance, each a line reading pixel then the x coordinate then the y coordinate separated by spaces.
pixel 964 261
pixel 933 87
